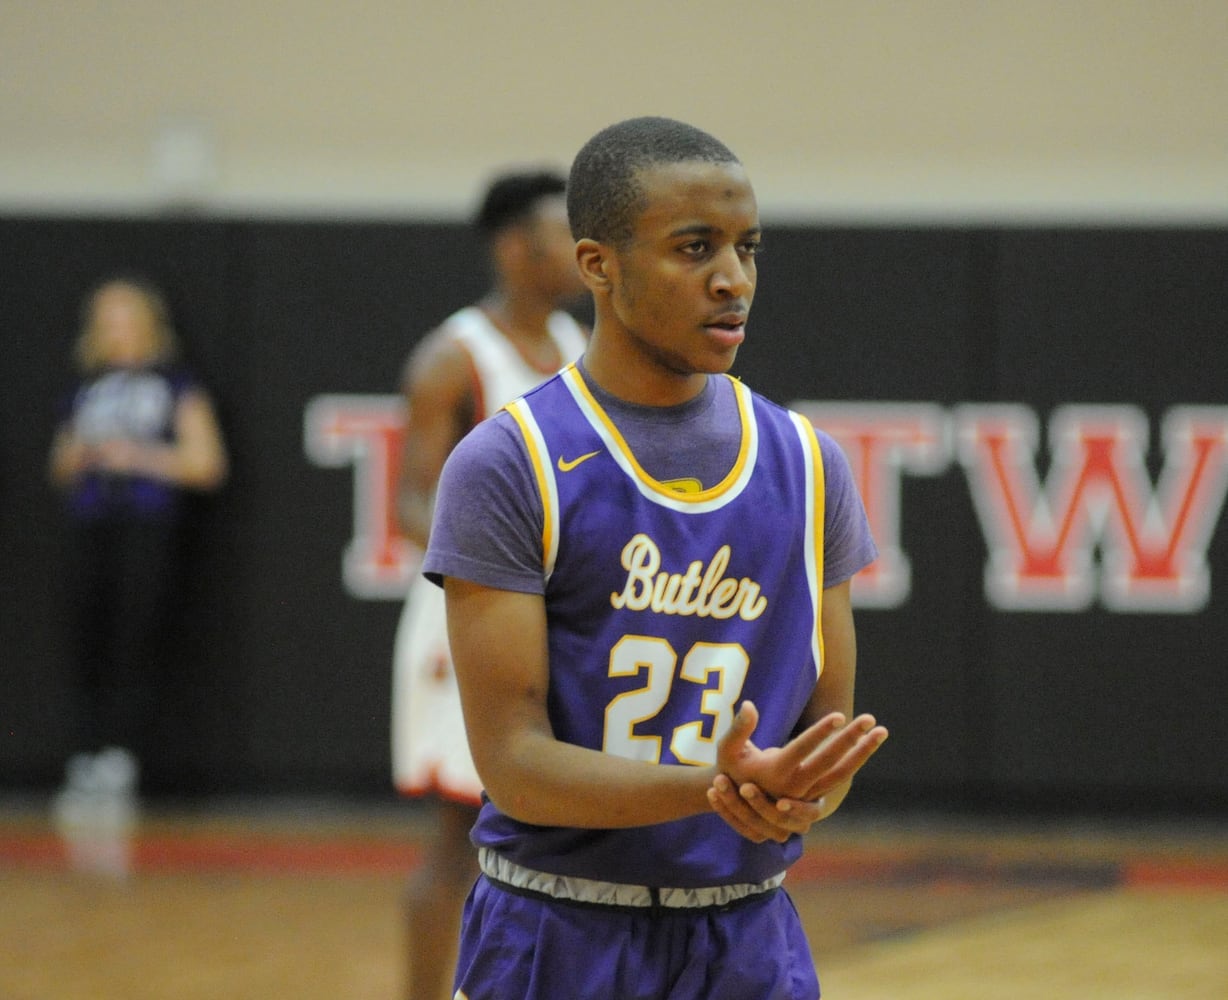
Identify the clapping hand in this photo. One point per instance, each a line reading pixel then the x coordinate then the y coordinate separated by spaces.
pixel 774 793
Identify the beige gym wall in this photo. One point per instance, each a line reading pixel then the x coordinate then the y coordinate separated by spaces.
pixel 874 110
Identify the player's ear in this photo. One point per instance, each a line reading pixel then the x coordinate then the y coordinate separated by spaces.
pixel 593 259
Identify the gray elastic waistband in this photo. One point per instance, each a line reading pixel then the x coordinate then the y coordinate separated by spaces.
pixel 585 890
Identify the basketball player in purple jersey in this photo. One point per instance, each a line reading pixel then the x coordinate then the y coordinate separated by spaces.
pixel 646 565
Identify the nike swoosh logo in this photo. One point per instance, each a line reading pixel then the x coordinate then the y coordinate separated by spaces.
pixel 566 466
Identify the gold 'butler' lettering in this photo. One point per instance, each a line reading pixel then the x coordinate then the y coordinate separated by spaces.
pixel 702 591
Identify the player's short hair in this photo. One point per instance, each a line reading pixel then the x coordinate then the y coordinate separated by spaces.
pixel 604 194
pixel 512 197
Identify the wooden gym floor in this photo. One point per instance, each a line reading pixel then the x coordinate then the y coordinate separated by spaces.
pixel 301 900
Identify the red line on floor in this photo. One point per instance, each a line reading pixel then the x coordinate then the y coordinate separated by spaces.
pixel 1176 874
pixel 171 852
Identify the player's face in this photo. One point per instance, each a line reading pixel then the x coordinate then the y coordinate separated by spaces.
pixel 682 287
pixel 552 252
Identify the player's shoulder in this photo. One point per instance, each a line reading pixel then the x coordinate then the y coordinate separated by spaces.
pixel 549 385
pixel 767 405
pixel 451 329
pixel 179 377
pixel 492 436
pixel 441 353
pixel 491 450
pixel 830 448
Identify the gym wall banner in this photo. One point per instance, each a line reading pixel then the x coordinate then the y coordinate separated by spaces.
pixel 1095 528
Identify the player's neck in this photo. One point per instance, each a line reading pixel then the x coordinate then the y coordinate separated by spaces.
pixel 523 318
pixel 524 321
pixel 625 373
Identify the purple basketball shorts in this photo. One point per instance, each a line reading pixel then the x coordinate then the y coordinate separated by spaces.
pixel 521 946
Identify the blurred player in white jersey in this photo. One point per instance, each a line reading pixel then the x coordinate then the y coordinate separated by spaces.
pixel 478 359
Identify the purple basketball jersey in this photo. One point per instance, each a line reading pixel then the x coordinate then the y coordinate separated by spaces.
pixel 667 610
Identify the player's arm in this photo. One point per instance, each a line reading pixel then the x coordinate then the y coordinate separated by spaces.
pixel 198 459
pixel 195 459
pixel 499 646
pixel 836 744
pixel 486 545
pixel 69 457
pixel 855 743
pixel 438 392
pixel 806 780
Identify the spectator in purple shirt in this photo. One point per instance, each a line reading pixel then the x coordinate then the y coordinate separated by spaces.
pixel 136 432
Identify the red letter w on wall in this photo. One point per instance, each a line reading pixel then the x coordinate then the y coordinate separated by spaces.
pixel 1097 500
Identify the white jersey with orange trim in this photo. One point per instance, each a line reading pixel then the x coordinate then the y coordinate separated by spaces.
pixel 430 754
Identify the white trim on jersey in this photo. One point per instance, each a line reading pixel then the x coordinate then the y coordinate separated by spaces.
pixel 816 502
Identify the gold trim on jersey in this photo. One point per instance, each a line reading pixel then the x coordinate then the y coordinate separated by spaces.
pixel 662 492
pixel 728 489
pixel 543 472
